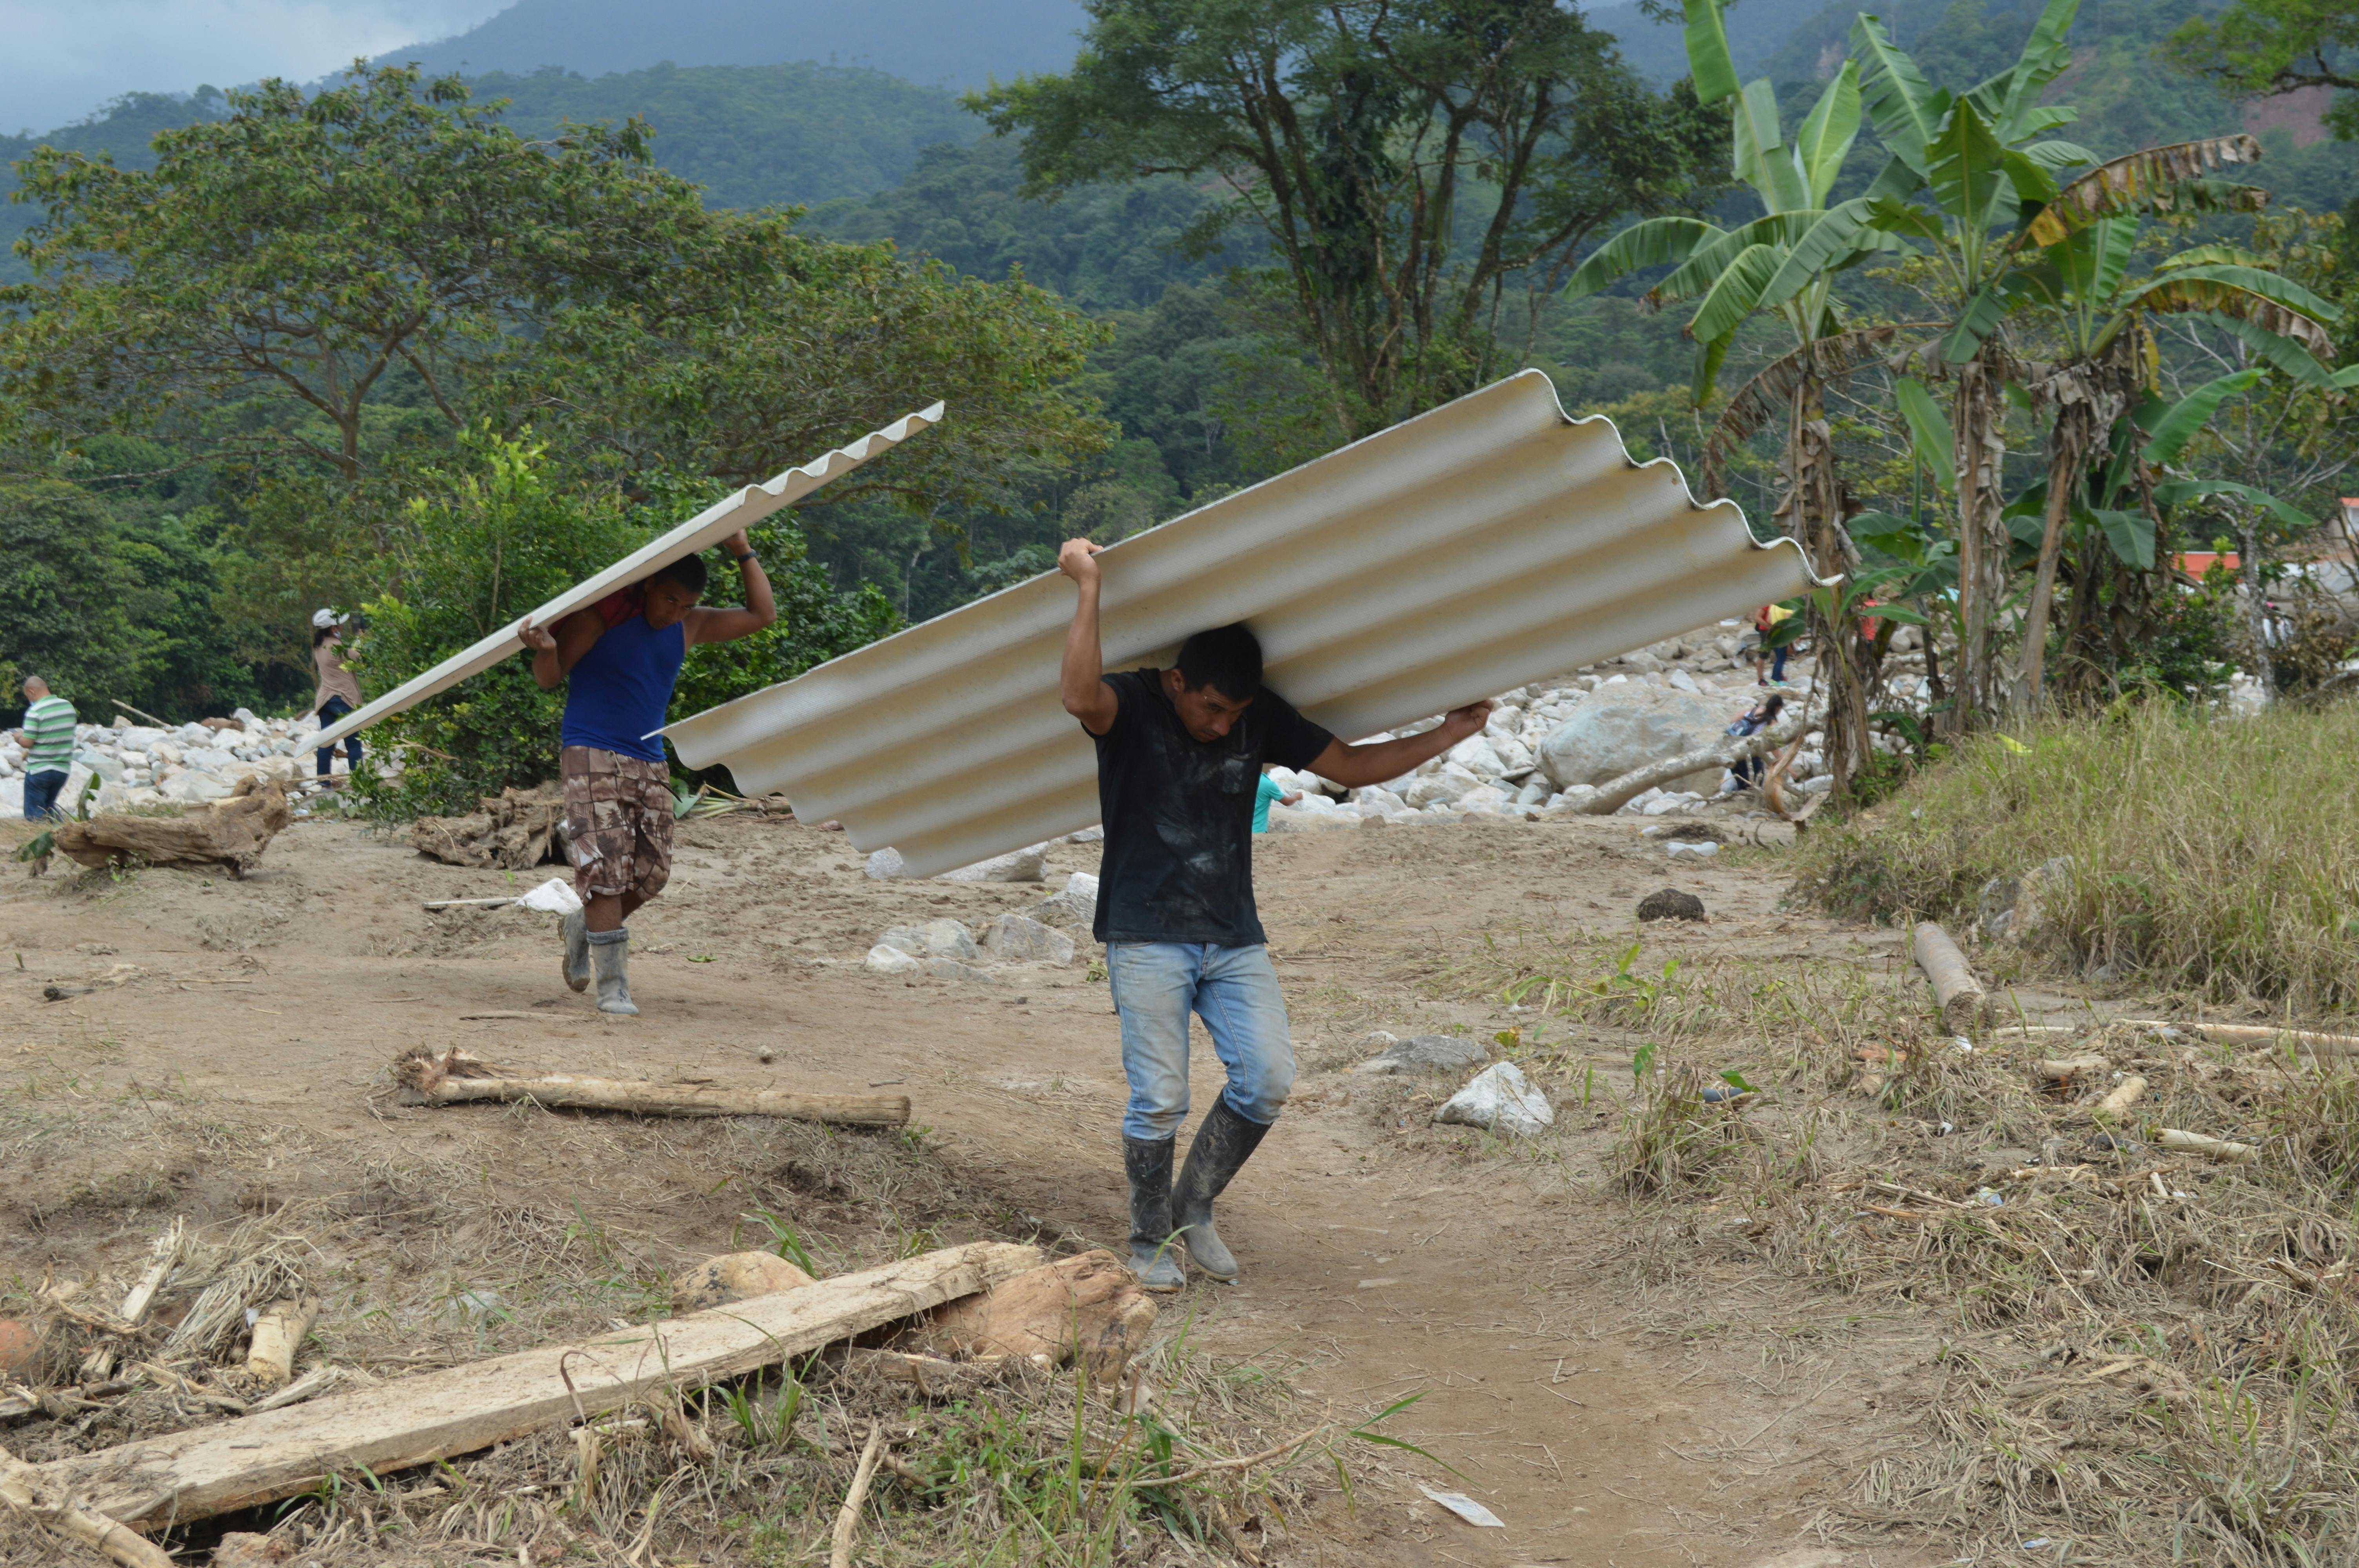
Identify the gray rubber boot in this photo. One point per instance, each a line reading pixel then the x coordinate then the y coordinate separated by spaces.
pixel 1147 1162
pixel 610 956
pixel 576 966
pixel 1223 1144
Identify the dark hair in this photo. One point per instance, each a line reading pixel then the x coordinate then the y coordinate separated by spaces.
pixel 688 571
pixel 1774 707
pixel 321 633
pixel 1226 659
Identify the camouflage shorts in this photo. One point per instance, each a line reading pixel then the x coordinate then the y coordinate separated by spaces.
pixel 617 822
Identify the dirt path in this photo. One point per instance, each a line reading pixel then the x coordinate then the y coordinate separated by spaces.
pixel 1697 1421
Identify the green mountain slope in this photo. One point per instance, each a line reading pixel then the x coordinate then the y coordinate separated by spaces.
pixel 952 41
pixel 753 135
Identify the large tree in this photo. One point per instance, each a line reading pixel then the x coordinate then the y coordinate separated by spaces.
pixel 1407 162
pixel 2259 47
pixel 254 291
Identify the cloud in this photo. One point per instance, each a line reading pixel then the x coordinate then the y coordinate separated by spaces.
pixel 66 58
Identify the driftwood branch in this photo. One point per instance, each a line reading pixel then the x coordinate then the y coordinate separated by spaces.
pixel 2198 1143
pixel 24 1489
pixel 847 1518
pixel 454 1077
pixel 1961 996
pixel 1613 796
pixel 2260 1034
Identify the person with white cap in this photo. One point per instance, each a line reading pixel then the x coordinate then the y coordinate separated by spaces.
pixel 340 689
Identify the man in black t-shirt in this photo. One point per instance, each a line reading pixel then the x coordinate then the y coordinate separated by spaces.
pixel 1180 759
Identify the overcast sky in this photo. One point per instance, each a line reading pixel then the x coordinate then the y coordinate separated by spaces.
pixel 60 59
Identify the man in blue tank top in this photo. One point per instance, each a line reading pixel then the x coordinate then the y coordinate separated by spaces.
pixel 618 660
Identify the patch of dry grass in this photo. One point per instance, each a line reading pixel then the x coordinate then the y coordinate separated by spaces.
pixel 2219 858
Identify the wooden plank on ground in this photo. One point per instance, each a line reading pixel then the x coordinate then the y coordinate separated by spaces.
pixel 454 1077
pixel 259 1459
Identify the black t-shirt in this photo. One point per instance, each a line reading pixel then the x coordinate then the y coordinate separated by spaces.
pixel 1178 864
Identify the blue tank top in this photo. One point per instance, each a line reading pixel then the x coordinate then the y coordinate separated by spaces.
pixel 621 689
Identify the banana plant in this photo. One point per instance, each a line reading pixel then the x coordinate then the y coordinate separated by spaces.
pixel 1963 168
pixel 2079 289
pixel 1730 274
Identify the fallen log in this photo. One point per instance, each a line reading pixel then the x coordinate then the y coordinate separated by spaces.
pixel 1960 996
pixel 454 1077
pixel 262 1458
pixel 2065 1070
pixel 2126 1093
pixel 24 1489
pixel 2180 1143
pixel 277 1336
pixel 2260 1034
pixel 1612 795
pixel 229 835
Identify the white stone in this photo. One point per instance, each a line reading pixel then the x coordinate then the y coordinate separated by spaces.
pixel 1818 786
pixel 1683 680
pixel 1500 1100
pixel 1378 799
pixel 934 939
pixel 1018 866
pixel 191 788
pixel 1476 756
pixel 885 864
pixel 884 960
pixel 1618 730
pixel 1442 787
pixel 1484 797
pixel 1514 754
pixel 1019 938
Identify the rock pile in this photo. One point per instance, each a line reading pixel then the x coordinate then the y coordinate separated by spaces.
pixel 1547 745
pixel 948 949
pixel 138 765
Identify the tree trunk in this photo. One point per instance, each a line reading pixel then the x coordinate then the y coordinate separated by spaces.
pixel 2257 609
pixel 1982 540
pixel 1813 514
pixel 2068 449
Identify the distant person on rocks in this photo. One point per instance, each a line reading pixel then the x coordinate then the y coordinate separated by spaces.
pixel 1267 793
pixel 618 661
pixel 1765 621
pixel 1180 757
pixel 1750 771
pixel 340 689
pixel 48 738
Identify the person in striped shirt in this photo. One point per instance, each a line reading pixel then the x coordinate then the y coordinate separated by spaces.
pixel 48 738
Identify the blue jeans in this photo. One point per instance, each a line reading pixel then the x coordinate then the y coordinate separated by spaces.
pixel 1155 986
pixel 335 708
pixel 41 792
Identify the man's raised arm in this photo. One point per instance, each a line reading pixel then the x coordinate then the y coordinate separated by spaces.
pixel 1374 761
pixel 1087 697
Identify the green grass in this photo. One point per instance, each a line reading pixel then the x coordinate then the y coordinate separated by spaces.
pixel 2217 856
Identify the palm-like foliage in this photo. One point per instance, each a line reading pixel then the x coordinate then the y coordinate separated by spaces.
pixel 2079 287
pixel 1783 263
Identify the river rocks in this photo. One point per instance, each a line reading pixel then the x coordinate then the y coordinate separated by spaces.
pixel 884 960
pixel 934 939
pixel 735 1277
pixel 1671 903
pixel 885 864
pixel 1019 866
pixel 1620 728
pixel 2017 910
pixel 1076 908
pixel 1500 1100
pixel 951 969
pixel 1424 1053
pixel 1019 939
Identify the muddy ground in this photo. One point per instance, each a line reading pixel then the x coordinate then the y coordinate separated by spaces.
pixel 1621 1382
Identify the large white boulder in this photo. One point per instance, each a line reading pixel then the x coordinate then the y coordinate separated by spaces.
pixel 1442 786
pixel 1477 756
pixel 1621 728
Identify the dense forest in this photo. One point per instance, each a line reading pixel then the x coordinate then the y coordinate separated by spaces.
pixel 167 555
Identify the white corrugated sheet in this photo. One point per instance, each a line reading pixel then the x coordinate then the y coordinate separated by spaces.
pixel 1489 542
pixel 701 532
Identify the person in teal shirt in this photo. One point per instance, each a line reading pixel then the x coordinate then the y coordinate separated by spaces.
pixel 1264 792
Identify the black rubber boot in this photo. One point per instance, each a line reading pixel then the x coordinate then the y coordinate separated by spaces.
pixel 1147 1162
pixel 1223 1144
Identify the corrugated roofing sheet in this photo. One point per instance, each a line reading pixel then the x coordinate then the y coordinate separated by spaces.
pixel 1489 542
pixel 706 529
